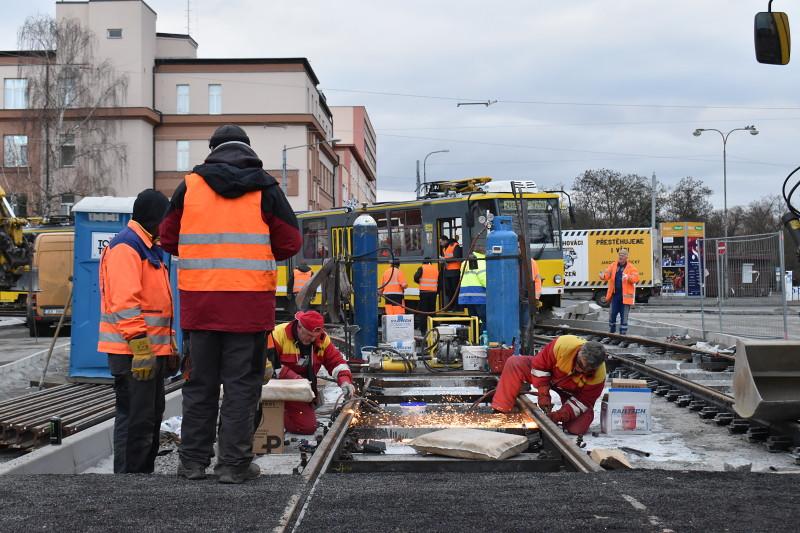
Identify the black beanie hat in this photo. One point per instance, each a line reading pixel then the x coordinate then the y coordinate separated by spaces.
pixel 227 133
pixel 149 209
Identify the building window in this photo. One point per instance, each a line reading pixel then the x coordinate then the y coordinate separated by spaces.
pixel 316 244
pixel 15 93
pixel 67 150
pixel 214 99
pixel 69 88
pixel 182 95
pixel 114 33
pixel 15 150
pixel 183 155
pixel 67 201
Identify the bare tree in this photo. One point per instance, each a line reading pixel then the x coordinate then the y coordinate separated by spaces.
pixel 71 96
pixel 608 199
pixel 688 200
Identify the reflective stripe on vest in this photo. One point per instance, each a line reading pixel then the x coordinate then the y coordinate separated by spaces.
pixel 224 244
pixel 449 252
pixel 300 279
pixel 429 280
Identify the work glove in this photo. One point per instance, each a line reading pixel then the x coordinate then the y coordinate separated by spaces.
pixel 348 389
pixel 544 401
pixel 561 416
pixel 269 371
pixel 173 359
pixel 144 362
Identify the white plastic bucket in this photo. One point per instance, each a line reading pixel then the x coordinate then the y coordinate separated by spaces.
pixel 473 357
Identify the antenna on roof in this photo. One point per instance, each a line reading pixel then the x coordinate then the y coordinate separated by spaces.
pixel 188 17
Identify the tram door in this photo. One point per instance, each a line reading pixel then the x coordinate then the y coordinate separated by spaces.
pixel 450 228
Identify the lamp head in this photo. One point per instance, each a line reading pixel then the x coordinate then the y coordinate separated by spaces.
pixel 697 132
pixel 752 129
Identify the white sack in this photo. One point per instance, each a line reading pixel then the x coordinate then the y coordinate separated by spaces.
pixel 288 390
pixel 470 444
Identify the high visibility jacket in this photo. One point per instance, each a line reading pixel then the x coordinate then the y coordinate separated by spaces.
pixel 628 285
pixel 135 297
pixel 294 366
pixel 300 280
pixel 473 283
pixel 448 253
pixel 429 280
pixel 393 281
pixel 553 366
pixel 537 278
pixel 224 243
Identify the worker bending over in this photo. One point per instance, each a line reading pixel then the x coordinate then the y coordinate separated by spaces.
pixel 298 349
pixel 622 277
pixel 569 365
pixel 393 287
pixel 136 333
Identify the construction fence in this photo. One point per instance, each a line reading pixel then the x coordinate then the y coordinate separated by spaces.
pixel 746 277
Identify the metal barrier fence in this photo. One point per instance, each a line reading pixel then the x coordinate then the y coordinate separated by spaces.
pixel 747 277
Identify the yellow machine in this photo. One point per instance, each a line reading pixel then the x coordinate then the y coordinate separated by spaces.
pixel 15 250
pixel 446 336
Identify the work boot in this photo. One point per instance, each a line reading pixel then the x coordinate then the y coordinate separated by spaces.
pixel 231 474
pixel 191 471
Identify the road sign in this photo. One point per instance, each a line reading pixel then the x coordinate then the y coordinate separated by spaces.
pixel 722 247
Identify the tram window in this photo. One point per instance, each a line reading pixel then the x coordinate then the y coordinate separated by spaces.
pixel 451 228
pixel 485 208
pixel 316 243
pixel 384 238
pixel 407 232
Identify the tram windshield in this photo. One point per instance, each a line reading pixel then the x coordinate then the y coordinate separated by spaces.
pixel 544 222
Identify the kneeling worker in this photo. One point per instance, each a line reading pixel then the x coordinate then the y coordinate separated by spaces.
pixel 301 347
pixel 571 366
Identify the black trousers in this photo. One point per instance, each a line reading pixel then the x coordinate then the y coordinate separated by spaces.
pixel 137 423
pixel 427 303
pixel 450 280
pixel 235 361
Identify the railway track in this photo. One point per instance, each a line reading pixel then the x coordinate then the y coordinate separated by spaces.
pixel 709 403
pixel 25 420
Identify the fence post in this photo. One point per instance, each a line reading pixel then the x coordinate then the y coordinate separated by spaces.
pixel 703 288
pixel 719 285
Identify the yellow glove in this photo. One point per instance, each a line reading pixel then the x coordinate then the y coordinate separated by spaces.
pixel 144 362
pixel 269 371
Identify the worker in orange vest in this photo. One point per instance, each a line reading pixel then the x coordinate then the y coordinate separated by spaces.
pixel 136 333
pixel 393 286
pixel 427 277
pixel 524 311
pixel 302 275
pixel 451 254
pixel 622 277
pixel 229 222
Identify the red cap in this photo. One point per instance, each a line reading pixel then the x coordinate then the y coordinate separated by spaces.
pixel 310 320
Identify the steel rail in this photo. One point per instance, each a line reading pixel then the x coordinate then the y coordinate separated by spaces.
pixel 633 339
pixel 576 457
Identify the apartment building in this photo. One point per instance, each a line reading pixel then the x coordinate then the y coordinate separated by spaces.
pixel 357 149
pixel 174 101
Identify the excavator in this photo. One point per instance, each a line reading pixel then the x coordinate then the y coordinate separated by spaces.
pixel 16 249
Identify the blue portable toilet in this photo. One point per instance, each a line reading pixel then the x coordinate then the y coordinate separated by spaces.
pixel 97 221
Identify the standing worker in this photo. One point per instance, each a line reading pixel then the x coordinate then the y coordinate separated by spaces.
pixel 427 277
pixel 301 347
pixel 524 309
pixel 301 275
pixel 569 365
pixel 622 277
pixel 472 293
pixel 229 222
pixel 136 333
pixel 451 253
pixel 393 287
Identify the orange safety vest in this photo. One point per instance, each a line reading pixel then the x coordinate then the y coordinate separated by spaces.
pixel 135 297
pixel 224 244
pixel 429 280
pixel 393 281
pixel 628 285
pixel 300 280
pixel 449 252
pixel 537 280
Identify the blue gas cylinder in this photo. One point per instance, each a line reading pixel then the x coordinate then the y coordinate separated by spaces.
pixel 365 282
pixel 502 282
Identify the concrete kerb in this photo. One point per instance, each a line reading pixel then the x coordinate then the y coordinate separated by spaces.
pixel 78 452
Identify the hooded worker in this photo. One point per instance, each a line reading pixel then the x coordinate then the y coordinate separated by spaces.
pixel 568 365
pixel 298 349
pixel 136 332
pixel 229 222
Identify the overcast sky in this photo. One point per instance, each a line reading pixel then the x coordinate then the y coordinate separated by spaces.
pixel 583 84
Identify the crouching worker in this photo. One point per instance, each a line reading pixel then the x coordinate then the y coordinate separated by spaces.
pixel 301 347
pixel 572 367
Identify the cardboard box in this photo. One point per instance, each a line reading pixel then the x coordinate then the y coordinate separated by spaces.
pixel 622 383
pixel 398 328
pixel 626 411
pixel 269 434
pixel 404 347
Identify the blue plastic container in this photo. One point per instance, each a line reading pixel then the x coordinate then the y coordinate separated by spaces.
pixel 502 282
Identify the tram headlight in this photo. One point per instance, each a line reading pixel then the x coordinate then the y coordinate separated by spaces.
pixel 557 279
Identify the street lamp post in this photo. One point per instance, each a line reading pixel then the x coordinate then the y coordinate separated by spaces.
pixel 425 162
pixel 753 131
pixel 284 184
